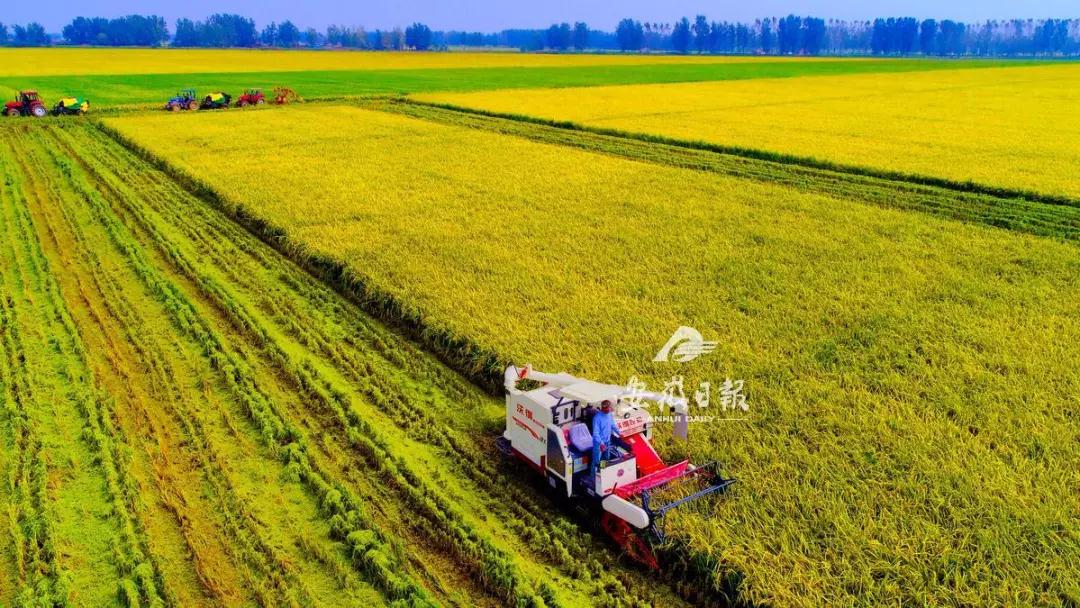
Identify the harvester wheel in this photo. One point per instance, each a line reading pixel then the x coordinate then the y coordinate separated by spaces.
pixel 630 541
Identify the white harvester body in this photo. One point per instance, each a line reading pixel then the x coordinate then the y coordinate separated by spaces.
pixel 547 427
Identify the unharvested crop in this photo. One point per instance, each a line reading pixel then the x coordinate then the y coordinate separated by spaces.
pixel 911 436
pixel 1013 128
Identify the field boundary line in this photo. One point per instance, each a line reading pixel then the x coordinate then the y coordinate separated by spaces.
pixel 970 187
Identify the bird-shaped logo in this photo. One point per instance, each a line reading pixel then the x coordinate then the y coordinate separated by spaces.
pixel 686 344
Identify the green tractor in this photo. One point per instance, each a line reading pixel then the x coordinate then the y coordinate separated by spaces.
pixel 71 106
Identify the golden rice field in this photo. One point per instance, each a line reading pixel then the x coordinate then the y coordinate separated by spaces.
pixel 79 61
pixel 912 436
pixel 1014 128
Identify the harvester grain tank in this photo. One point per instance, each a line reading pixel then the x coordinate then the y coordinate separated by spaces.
pixel 27 103
pixel 216 101
pixel 548 427
pixel 76 106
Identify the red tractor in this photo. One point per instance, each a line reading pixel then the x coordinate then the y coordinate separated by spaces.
pixel 26 104
pixel 251 97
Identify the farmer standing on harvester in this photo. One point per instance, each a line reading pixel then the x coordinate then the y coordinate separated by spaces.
pixel 603 426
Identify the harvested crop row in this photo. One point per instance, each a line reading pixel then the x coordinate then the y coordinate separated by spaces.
pixel 232 371
pixel 1011 129
pixel 903 371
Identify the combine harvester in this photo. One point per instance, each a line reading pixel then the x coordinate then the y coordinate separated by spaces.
pixel 548 428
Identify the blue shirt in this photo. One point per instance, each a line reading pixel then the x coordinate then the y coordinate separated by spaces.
pixel 602 426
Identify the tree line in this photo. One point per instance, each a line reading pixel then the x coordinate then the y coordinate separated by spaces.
pixel 791 35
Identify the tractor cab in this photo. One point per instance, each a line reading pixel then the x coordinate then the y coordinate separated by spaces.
pixel 27 97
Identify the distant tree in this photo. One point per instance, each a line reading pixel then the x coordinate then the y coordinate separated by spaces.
pixel 311 37
pixel 927 36
pixel 32 34
pixel 951 38
pixel 767 40
pixel 397 39
pixel 4 36
pixel 742 38
pixel 789 34
pixel 288 35
pixel 702 31
pixel 581 36
pixel 630 35
pixel 269 35
pixel 680 36
pixel 813 35
pixel 418 36
pixel 186 33
pixel 558 37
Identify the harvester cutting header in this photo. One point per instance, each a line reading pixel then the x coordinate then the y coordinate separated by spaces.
pixel 592 443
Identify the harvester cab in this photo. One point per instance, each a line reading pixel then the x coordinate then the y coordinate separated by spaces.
pixel 548 427
pixel 251 97
pixel 71 106
pixel 27 103
pixel 185 99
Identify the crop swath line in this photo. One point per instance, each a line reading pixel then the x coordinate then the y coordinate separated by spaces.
pixel 1033 213
pixel 141 580
pixel 282 438
pixel 28 522
pixel 269 577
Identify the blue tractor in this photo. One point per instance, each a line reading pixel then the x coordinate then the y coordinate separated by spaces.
pixel 184 100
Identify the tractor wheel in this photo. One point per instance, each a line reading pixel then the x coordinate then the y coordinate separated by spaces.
pixel 193 105
pixel 260 101
pixel 243 103
pixel 39 111
pixel 14 112
pixel 174 107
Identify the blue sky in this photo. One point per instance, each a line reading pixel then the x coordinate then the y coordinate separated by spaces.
pixel 492 15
